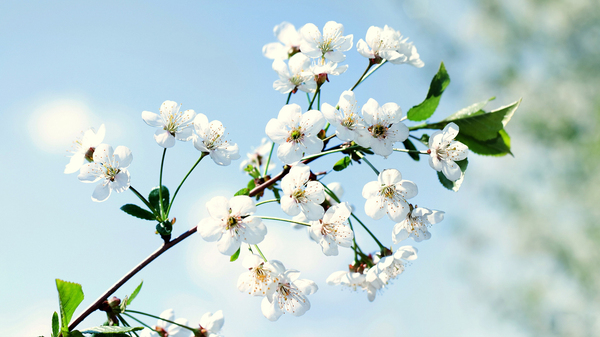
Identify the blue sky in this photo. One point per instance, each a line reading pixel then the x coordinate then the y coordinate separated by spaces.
pixel 67 66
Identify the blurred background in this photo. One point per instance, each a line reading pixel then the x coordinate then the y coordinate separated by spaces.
pixel 517 254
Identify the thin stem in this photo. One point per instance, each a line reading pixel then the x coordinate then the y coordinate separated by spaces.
pixel 362 156
pixel 369 74
pixel 160 199
pixel 158 317
pixel 126 324
pixel 354 246
pixel 330 137
pixel 368 231
pixel 269 159
pixel 204 154
pixel 410 151
pixel 137 320
pixel 143 199
pixel 94 306
pixel 315 96
pixel 267 201
pixel 363 75
pixel 308 98
pixel 319 101
pixel 324 153
pixel 282 219
pixel 260 252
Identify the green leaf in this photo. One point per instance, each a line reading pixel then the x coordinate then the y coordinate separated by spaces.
pixel 70 296
pixel 438 84
pixel 342 163
pixel 135 293
pixel 154 195
pixel 454 185
pixel 251 185
pixel 55 325
pixel 74 333
pixel 243 191
pixel 164 228
pixel 499 146
pixel 138 212
pixel 235 255
pixel 470 110
pixel 111 329
pixel 411 147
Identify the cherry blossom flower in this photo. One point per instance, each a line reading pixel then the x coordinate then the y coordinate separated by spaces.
pixel 211 324
pixel 209 138
pixel 83 149
pixel 261 277
pixel 164 328
pixel 337 189
pixel 321 70
pixel 298 76
pixel 329 45
pixel 389 267
pixel 289 296
pixel 382 127
pixel 333 231
pixel 256 157
pixel 231 222
pixel 301 195
pixel 110 167
pixel 388 195
pixel 417 221
pixel 388 44
pixel 172 124
pixel 290 40
pixel 444 151
pixel 354 281
pixel 345 119
pixel 296 133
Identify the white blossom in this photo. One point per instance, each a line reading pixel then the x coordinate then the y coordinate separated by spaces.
pixel 388 195
pixel 296 133
pixel 231 222
pixel 257 157
pixel 172 124
pixel 209 138
pixel 389 267
pixel 83 149
pixel 381 127
pixel 261 277
pixel 354 281
pixel 416 224
pixel 110 167
pixel 289 44
pixel 297 76
pixel 321 70
pixel 302 195
pixel 444 151
pixel 164 328
pixel 345 119
pixel 389 44
pixel 329 45
pixel 333 230
pixel 211 324
pixel 289 296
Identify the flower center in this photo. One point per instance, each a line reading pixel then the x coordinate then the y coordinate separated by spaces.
pixel 232 222
pixel 349 122
pixel 388 192
pixel 327 229
pixel 110 172
pixel 378 131
pixel 296 135
pixel 299 195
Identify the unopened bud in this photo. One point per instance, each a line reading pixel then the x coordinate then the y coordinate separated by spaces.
pixel 89 154
pixel 321 78
pixel 114 302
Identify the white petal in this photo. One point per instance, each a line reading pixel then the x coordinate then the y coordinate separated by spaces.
pixel 101 192
pixel 123 156
pixel 164 138
pixel 210 229
pixel 228 244
pixel 270 309
pixel 152 119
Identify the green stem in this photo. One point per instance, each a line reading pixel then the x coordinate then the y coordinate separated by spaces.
pixel 269 159
pixel 267 201
pixel 330 137
pixel 143 199
pixel 313 99
pixel 204 154
pixel 282 219
pixel 319 101
pixel 368 231
pixel 329 152
pixel 361 76
pixel 354 246
pixel 410 151
pixel 369 74
pixel 308 98
pixel 162 319
pixel 417 127
pixel 137 320
pixel 160 199
pixel 260 252
pixel 126 324
pixel 362 156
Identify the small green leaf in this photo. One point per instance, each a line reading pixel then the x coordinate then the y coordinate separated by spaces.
pixel 111 329
pixel 243 191
pixel 251 185
pixel 154 195
pixel 438 84
pixel 411 147
pixel 55 325
pixel 135 293
pixel 342 163
pixel 164 228
pixel 70 296
pixel 235 255
pixel 74 333
pixel 138 212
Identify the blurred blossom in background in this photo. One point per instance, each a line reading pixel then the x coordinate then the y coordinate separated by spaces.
pixel 517 253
